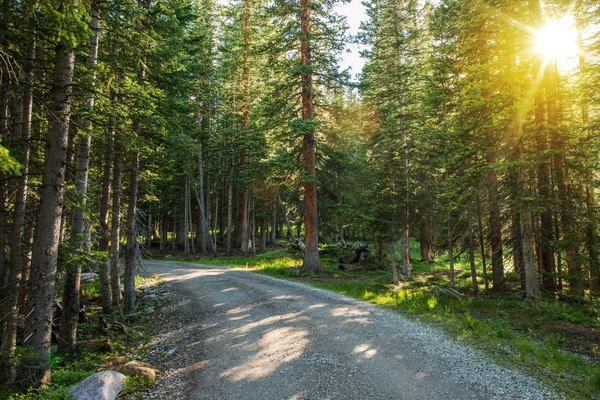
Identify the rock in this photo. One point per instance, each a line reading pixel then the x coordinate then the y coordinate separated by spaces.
pixel 88 277
pixel 139 368
pixel 105 385
pixel 144 286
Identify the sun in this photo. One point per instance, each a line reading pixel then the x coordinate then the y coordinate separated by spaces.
pixel 557 41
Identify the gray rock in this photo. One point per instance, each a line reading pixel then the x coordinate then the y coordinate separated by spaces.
pixel 105 385
pixel 89 277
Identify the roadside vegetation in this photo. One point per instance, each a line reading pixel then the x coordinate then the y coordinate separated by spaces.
pixel 104 342
pixel 554 339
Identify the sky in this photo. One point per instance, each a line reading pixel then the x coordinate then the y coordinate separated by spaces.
pixel 355 13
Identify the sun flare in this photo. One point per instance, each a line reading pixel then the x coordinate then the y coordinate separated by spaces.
pixel 558 40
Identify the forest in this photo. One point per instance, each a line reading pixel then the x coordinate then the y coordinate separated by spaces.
pixel 468 146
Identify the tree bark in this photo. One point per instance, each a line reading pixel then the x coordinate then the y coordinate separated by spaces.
pixel 67 338
pixel 21 137
pixel 482 248
pixel 115 226
pixel 472 255
pixel 495 224
pixel 426 238
pixel 132 247
pixel 312 263
pixel 570 237
pixel 104 244
pixel 229 214
pixel 45 246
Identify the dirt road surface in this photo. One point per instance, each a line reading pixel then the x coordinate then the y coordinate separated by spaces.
pixel 238 335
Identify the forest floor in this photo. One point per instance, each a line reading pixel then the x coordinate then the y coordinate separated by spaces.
pixel 556 339
pixel 242 335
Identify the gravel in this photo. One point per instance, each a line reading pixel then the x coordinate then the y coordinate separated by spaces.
pixel 231 334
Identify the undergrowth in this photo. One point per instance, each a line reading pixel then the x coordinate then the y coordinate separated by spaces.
pixel 69 370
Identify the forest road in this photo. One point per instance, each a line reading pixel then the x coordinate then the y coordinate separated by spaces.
pixel 238 335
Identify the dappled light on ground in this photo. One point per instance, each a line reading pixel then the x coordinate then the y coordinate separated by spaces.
pixel 277 347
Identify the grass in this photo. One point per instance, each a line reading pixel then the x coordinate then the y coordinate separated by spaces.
pixel 540 338
pixel 68 370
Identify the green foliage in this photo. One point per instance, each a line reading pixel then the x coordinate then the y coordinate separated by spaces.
pixel 8 164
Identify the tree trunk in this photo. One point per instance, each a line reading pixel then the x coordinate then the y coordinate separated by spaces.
pixel 21 137
pixel 273 239
pixel 115 236
pixel 67 338
pixel 472 255
pixel 393 257
pixel 229 214
pixel 450 240
pixel 132 247
pixel 312 263
pixel 482 248
pixel 264 227
pixel 426 238
pixel 495 224
pixel 570 236
pixel 104 244
pixel 38 324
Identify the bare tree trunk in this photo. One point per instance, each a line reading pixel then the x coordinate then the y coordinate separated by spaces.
pixel 264 227
pixel 132 247
pixel 570 236
pixel 186 228
pixel 115 237
pixel 472 254
pixel 312 263
pixel 495 224
pixel 426 239
pixel 273 238
pixel 450 240
pixel 104 216
pixel 287 219
pixel 70 314
pixel 229 214
pixel 21 137
pixel 482 247
pixel 393 257
pixel 45 246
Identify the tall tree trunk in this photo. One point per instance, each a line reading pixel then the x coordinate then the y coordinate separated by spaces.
pixel 132 247
pixel 495 224
pixel 104 244
pixel 67 338
pixel 264 228
pixel 229 214
pixel 472 255
pixel 203 214
pixel 115 226
pixel 450 240
pixel 287 219
pixel 482 247
pixel 42 284
pixel 546 250
pixel 312 263
pixel 273 238
pixel 21 136
pixel 570 237
pixel 426 238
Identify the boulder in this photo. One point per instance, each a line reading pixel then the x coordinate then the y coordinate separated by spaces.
pixel 139 368
pixel 88 277
pixel 105 385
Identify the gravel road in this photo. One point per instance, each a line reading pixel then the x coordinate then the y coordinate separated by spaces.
pixel 238 335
